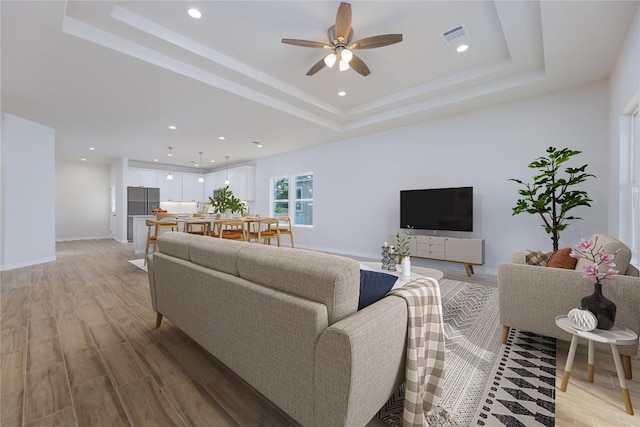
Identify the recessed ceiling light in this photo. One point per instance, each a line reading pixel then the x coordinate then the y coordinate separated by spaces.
pixel 156 160
pixel 342 93
pixel 194 13
pixel 92 148
pixel 258 144
pixel 213 161
pixel 462 48
pixel 221 138
pixel 83 159
pixel 172 127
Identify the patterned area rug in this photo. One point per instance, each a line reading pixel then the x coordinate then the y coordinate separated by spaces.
pixel 473 352
pixel 522 390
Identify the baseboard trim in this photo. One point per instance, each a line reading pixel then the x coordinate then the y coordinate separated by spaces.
pixel 27 263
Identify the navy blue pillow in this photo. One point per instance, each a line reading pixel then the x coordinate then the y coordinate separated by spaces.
pixel 373 286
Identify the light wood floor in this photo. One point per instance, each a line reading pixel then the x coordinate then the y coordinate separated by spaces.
pixel 78 348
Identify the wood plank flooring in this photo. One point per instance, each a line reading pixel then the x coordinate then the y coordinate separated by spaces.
pixel 78 348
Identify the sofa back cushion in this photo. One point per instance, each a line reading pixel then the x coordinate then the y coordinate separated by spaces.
pixel 328 279
pixel 609 245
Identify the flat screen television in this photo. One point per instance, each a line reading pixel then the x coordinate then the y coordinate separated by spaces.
pixel 437 209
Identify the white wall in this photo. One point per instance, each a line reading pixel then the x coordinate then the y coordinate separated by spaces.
pixel 82 201
pixel 624 94
pixel 118 178
pixel 27 193
pixel 357 181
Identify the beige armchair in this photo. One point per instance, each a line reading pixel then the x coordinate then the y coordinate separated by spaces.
pixel 531 296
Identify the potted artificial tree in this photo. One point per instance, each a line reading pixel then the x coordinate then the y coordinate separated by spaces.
pixel 552 195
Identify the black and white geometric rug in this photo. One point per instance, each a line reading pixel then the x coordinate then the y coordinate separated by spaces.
pixel 474 355
pixel 522 390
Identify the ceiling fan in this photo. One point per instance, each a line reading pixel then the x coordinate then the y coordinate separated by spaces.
pixel 341 46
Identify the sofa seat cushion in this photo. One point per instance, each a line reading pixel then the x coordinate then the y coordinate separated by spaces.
pixel 561 259
pixel 374 285
pixel 609 245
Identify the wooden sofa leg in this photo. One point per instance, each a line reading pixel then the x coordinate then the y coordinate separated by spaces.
pixel 626 366
pixel 505 334
pixel 158 319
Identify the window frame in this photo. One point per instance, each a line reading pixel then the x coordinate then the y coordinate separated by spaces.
pixel 293 200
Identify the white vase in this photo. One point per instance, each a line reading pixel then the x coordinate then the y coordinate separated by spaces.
pixel 406 266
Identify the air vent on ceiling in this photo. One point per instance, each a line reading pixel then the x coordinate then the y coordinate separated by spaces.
pixel 455 34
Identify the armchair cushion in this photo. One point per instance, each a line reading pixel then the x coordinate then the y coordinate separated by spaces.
pixel 537 257
pixel 610 245
pixel 561 259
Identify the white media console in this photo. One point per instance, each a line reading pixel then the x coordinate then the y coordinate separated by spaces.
pixel 469 252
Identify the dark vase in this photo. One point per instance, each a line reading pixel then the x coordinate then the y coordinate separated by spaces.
pixel 603 308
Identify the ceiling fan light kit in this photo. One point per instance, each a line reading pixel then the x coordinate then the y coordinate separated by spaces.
pixel 340 36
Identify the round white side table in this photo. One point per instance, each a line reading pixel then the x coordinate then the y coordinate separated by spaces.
pixel 614 337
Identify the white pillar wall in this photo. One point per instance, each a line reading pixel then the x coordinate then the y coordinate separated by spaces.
pixel 28 196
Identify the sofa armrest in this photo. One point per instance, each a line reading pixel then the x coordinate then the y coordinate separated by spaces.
pixel 360 362
pixel 530 297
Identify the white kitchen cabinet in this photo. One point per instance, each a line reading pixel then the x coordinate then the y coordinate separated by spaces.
pixel 192 190
pixel 243 182
pixel 170 190
pixel 148 178
pixel 209 186
pixel 133 178
pixel 142 178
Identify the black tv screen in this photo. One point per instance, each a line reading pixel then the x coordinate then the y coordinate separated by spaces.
pixel 437 209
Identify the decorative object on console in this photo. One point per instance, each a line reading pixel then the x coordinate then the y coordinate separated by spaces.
pixel 392 259
pixel 385 256
pixel 582 319
pixel 551 196
pixel 603 308
pixel 403 249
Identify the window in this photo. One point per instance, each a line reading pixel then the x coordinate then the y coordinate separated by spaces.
pixel 296 204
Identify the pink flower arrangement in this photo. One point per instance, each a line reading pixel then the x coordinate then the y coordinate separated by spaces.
pixel 587 249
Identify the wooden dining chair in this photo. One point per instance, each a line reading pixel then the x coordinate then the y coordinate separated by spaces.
pixel 152 239
pixel 284 226
pixel 198 228
pixel 264 230
pixel 232 229
pixel 168 220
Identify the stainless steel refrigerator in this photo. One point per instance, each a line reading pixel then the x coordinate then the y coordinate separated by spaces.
pixel 140 201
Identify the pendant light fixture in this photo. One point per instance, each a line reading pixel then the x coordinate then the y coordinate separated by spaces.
pixel 226 182
pixel 170 176
pixel 201 179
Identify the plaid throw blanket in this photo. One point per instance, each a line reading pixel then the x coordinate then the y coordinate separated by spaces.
pixel 424 375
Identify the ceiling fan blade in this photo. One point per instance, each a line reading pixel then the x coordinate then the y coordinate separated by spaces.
pixel 376 41
pixel 359 66
pixel 304 43
pixel 316 67
pixel 343 21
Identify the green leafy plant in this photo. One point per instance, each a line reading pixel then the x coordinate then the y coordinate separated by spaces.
pixel 225 200
pixel 551 195
pixel 403 245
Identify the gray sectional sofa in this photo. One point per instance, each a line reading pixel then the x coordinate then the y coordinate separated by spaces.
pixel 286 321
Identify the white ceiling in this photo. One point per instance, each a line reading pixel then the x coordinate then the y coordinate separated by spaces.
pixel 114 75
